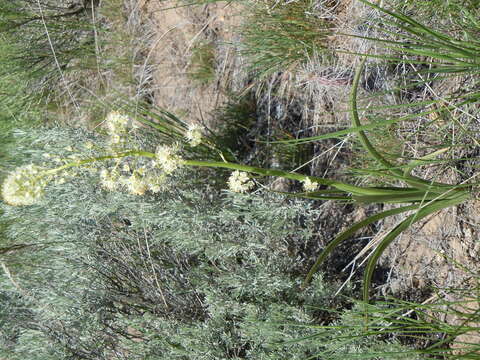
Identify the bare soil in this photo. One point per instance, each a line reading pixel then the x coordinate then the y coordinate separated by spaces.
pixel 179 29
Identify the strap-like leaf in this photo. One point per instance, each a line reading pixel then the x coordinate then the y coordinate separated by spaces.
pixel 348 233
pixel 420 214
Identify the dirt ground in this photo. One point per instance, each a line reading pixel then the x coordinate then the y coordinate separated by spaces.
pixel 179 31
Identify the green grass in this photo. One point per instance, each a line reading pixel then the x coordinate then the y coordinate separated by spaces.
pixel 425 323
pixel 355 336
pixel 278 37
pixel 201 68
pixel 45 42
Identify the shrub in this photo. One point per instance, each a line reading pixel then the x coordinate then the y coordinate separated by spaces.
pixel 185 274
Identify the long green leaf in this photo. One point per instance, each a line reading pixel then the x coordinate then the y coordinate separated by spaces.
pixel 347 234
pixel 420 214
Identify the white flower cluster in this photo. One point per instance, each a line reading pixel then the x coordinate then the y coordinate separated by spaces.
pixel 194 135
pixel 138 179
pixel 240 182
pixel 137 182
pixel 309 185
pixel 109 179
pixel 25 185
pixel 116 122
pixel 117 127
pixel 135 179
pixel 167 158
pixel 156 182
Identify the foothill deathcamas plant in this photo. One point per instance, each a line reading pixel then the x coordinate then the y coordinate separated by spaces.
pixel 121 165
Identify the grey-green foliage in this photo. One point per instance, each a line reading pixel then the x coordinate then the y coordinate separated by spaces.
pixel 192 273
pixel 41 41
pixel 354 336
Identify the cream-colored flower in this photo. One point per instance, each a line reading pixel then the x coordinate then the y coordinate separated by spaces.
pixel 135 124
pixel 88 145
pixel 240 182
pixel 194 135
pixel 136 185
pixel 24 186
pixel 109 180
pixel 115 139
pixel 116 125
pixel 309 185
pixel 60 181
pixel 156 183
pixel 167 158
pixel 116 122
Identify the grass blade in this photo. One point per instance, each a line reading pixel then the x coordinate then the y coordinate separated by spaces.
pixel 347 234
pixel 420 214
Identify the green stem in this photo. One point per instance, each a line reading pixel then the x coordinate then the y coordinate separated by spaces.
pixel 347 234
pixel 356 190
pixel 405 224
pixel 363 194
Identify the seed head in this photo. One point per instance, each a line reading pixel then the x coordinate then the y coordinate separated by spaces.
pixel 240 182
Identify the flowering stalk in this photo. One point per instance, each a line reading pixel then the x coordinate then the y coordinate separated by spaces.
pixel 167 160
pixel 357 191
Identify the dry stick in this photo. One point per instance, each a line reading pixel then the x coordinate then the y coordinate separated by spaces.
pixel 352 272
pixel 97 48
pixel 371 244
pixel 340 146
pixel 449 103
pixel 194 38
pixel 13 281
pixel 430 299
pixel 55 56
pixel 153 269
